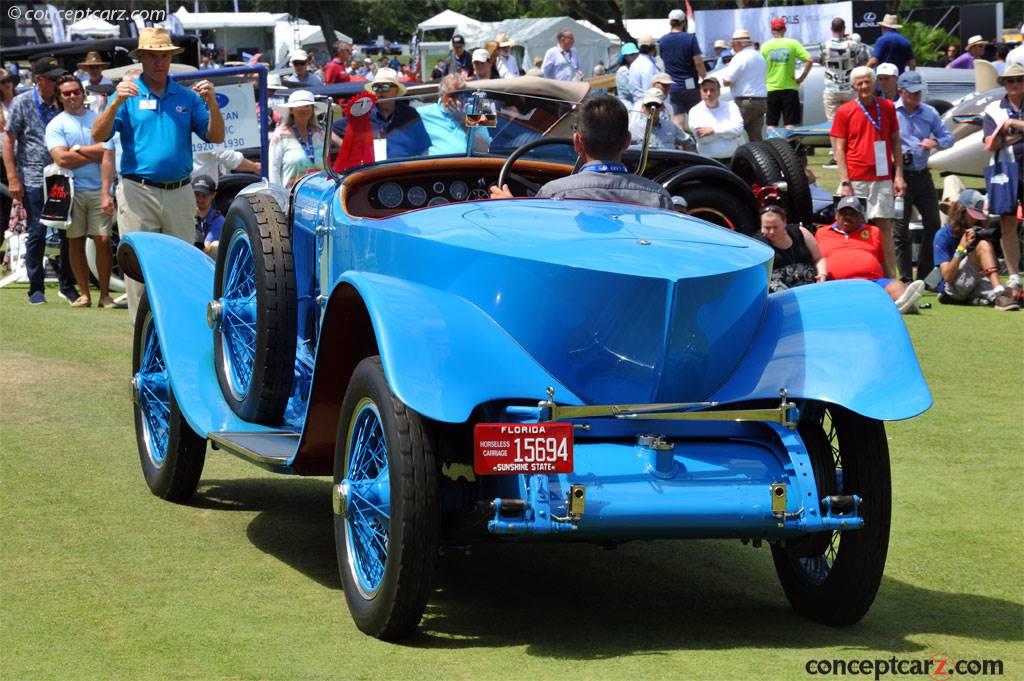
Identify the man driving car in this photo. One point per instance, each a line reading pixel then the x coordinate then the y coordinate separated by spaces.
pixel 601 135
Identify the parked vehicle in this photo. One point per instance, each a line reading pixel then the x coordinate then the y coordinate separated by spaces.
pixel 472 370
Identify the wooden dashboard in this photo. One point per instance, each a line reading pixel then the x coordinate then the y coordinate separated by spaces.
pixel 386 190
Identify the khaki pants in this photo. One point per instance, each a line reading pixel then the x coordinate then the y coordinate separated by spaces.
pixel 141 208
pixel 753 110
pixel 834 100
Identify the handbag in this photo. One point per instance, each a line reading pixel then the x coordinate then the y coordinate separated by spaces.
pixel 58 194
pixel 1002 183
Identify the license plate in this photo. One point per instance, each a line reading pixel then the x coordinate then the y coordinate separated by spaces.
pixel 518 448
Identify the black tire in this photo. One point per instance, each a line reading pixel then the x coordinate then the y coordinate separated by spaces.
pixel 833 577
pixel 941 105
pixel 175 475
pixel 756 164
pixel 798 190
pixel 718 206
pixel 394 607
pixel 261 221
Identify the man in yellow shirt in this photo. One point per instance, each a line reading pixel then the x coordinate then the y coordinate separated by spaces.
pixel 781 54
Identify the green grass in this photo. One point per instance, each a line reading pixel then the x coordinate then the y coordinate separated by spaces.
pixel 101 580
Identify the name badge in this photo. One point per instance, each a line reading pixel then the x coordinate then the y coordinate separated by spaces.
pixel 689 84
pixel 380 149
pixel 881 160
pixel 147 105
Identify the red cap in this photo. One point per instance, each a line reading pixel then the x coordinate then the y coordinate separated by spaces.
pixel 778 24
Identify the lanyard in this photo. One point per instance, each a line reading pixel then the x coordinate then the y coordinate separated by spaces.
pixel 46 113
pixel 613 167
pixel 307 145
pixel 878 112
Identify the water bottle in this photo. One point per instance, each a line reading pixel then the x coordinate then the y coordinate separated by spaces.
pixel 899 205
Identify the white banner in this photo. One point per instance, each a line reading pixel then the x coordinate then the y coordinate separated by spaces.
pixel 241 127
pixel 810 24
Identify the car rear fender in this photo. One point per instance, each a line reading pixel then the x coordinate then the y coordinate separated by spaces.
pixel 442 355
pixel 841 342
pixel 179 282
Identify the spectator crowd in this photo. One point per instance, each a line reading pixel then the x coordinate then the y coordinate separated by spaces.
pixel 882 133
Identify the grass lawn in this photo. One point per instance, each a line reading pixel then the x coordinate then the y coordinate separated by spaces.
pixel 101 580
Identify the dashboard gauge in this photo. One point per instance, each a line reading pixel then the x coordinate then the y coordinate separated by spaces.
pixel 438 201
pixel 390 195
pixel 438 187
pixel 459 190
pixel 478 194
pixel 417 195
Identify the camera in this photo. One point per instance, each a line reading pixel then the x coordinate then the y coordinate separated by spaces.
pixel 984 234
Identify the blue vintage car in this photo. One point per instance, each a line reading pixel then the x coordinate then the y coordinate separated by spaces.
pixel 474 370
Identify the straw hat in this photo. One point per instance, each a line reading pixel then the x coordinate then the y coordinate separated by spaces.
pixel 1014 70
pixel 721 45
pixel 505 40
pixel 93 59
pixel 153 39
pixel 890 21
pixel 661 77
pixel 742 35
pixel 975 40
pixel 301 98
pixel 386 75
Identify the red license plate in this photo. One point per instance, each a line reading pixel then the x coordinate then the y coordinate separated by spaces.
pixel 515 448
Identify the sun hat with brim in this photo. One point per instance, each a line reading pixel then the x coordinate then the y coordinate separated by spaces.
pixel 153 39
pixel 721 45
pixel 661 78
pixel 1014 70
pixel 298 55
pixel 741 35
pixel 646 40
pixel 301 98
pixel 386 75
pixel 975 40
pixel 890 21
pixel 974 202
pixel 850 203
pixel 629 48
pixel 505 40
pixel 48 67
pixel 653 96
pixel 93 59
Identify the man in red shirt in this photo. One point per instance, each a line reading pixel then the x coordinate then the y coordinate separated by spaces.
pixel 867 149
pixel 854 250
pixel 335 71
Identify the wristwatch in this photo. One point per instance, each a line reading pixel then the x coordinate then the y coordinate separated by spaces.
pixel 76 148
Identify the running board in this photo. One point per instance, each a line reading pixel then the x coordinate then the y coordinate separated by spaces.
pixel 272 450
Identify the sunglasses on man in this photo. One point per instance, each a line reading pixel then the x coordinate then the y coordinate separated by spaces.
pixel 381 87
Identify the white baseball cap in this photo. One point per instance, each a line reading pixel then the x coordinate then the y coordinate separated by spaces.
pixel 481 55
pixel 298 55
pixel 887 69
pixel 677 15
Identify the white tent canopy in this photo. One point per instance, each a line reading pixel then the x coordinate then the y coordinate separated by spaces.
pixel 533 37
pixel 93 25
pixel 220 20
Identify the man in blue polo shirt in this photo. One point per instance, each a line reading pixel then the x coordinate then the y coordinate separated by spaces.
pixel 156 117
pixel 680 52
pixel 893 48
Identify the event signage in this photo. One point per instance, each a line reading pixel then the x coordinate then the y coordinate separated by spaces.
pixel 241 126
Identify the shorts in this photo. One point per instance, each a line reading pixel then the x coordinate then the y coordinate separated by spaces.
pixel 969 283
pixel 883 282
pixel 879 196
pixel 834 100
pixel 683 100
pixel 86 217
pixel 785 103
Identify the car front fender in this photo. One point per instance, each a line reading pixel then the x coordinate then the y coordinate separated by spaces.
pixel 442 355
pixel 841 342
pixel 179 282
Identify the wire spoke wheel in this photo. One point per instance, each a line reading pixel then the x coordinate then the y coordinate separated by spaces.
pixel 171 453
pixel 238 324
pixel 385 506
pixel 833 576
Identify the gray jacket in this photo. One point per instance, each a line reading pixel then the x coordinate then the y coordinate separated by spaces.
pixel 627 188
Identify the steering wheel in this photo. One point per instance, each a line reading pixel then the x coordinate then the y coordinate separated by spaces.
pixel 506 169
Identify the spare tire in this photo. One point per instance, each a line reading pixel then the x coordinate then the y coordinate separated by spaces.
pixel 756 164
pixel 254 312
pixel 719 206
pixel 800 207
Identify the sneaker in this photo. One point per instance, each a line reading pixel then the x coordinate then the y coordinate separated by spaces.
pixel 37 298
pixel 910 296
pixel 1005 303
pixel 830 165
pixel 70 299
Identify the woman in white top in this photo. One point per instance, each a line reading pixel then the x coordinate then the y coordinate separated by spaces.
pixel 296 147
pixel 717 125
